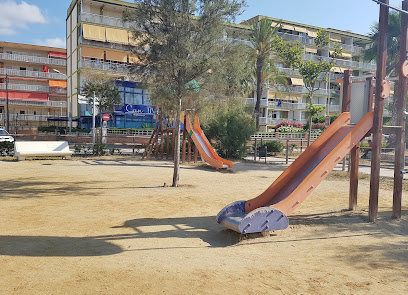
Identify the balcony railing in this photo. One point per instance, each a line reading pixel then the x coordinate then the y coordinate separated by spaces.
pixel 32 74
pixel 33 59
pixel 24 117
pixel 104 66
pixel 35 103
pixel 343 62
pixel 310 40
pixel 106 45
pixel 103 20
pixel 291 72
pixel 33 88
pixel 283 105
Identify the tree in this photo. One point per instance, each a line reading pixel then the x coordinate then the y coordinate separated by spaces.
pixel 179 41
pixel 104 91
pixel 393 43
pixel 261 38
pixel 309 70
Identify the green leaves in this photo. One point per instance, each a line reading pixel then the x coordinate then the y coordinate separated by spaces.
pixel 106 92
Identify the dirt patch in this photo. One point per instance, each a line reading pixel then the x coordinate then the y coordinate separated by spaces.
pixel 110 226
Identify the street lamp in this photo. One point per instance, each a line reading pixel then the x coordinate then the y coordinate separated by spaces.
pixel 7 106
pixel 68 108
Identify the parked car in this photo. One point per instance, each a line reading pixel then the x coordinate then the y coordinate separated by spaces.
pixel 5 136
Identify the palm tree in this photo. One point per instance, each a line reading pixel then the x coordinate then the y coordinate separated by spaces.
pixel 261 38
pixel 393 42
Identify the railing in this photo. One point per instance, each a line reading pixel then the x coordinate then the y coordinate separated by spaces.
pixel 310 40
pixel 104 20
pixel 88 64
pixel 281 135
pixel 24 117
pixel 341 62
pixel 109 45
pixel 33 59
pixel 32 74
pixel 291 72
pixel 56 104
pixel 33 88
pixel 136 132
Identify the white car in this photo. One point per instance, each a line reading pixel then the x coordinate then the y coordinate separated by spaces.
pixel 5 136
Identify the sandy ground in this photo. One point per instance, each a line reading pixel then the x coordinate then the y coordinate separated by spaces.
pixel 109 226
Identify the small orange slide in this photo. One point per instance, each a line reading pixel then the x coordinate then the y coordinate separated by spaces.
pixel 269 210
pixel 203 145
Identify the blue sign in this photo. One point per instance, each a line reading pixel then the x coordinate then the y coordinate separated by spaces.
pixel 136 110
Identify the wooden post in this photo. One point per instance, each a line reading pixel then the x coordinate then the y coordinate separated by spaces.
pixel 183 144
pixel 173 139
pixel 355 159
pixel 195 154
pixel 378 112
pixel 401 105
pixel 287 151
pixel 167 143
pixel 161 136
pixel 301 145
pixel 189 148
pixel 256 148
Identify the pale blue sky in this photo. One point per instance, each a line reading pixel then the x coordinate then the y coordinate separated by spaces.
pixel 42 22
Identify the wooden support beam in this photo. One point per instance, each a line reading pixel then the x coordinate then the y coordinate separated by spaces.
pixel 346 99
pixel 401 104
pixel 378 112
pixel 161 137
pixel 168 144
pixel 189 149
pixel 354 163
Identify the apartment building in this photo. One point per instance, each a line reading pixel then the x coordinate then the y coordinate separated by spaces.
pixel 98 41
pixel 33 84
pixel 288 102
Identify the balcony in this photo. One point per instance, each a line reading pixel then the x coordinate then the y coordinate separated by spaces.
pixel 33 88
pixel 35 103
pixel 104 66
pixel 103 20
pixel 106 45
pixel 343 62
pixel 252 102
pixel 33 59
pixel 32 74
pixel 291 72
pixel 24 117
pixel 310 40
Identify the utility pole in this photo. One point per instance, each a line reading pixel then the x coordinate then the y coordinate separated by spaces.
pixel 7 106
pixel 93 119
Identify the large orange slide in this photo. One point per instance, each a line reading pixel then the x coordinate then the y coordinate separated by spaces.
pixel 269 210
pixel 204 146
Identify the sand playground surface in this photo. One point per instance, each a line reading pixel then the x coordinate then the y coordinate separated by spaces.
pixel 110 226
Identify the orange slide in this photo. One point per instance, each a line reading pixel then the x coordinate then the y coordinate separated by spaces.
pixel 269 210
pixel 204 146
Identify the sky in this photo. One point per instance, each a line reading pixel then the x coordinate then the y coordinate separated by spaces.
pixel 42 22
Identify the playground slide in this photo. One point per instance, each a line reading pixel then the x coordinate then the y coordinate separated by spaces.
pixel 204 146
pixel 270 209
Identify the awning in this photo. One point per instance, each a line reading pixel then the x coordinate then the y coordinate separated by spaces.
pixel 60 84
pixel 297 81
pixel 288 27
pixel 271 94
pixel 310 49
pixel 57 54
pixel 117 36
pixel 338 69
pixel 312 33
pixel 335 37
pixel 345 54
pixel 300 29
pixel 92 32
pixel 116 56
pixel 295 97
pixel 133 59
pixel 92 52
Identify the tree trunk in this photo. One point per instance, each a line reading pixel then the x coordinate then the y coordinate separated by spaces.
pixel 259 89
pixel 176 171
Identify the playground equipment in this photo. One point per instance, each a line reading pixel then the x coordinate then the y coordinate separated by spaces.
pixel 203 145
pixel 269 210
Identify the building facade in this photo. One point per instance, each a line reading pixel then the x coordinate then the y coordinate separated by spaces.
pixel 98 41
pixel 33 85
pixel 288 102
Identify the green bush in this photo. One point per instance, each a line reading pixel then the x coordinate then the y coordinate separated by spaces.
pixel 6 148
pixel 286 129
pixel 230 128
pixel 274 146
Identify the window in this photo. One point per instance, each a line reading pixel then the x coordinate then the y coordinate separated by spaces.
pixel 22 112
pixel 23 69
